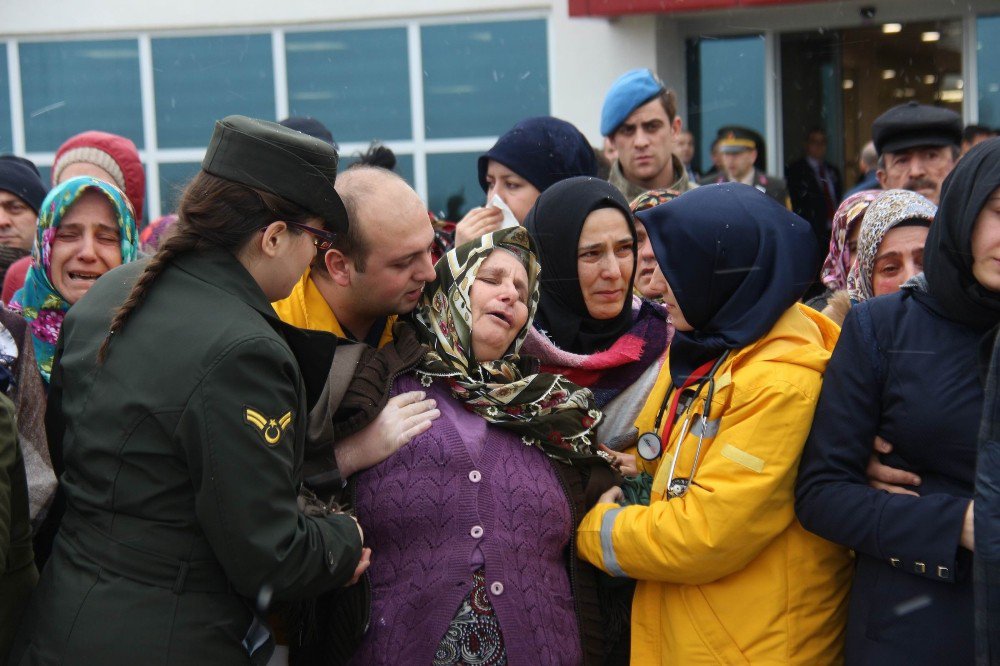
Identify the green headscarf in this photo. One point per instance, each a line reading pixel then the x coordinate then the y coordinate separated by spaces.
pixel 546 410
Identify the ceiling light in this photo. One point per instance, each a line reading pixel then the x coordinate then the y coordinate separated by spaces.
pixel 888 74
pixel 892 28
pixel 930 36
pixel 848 84
pixel 951 96
pixel 930 79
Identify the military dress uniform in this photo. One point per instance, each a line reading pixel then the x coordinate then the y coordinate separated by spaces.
pixel 769 185
pixel 736 139
pixel 181 456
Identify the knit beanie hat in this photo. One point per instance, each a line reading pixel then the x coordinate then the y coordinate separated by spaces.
pixel 20 177
pixel 115 154
pixel 543 151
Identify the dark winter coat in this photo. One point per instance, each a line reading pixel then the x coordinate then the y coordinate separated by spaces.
pixel 903 371
pixel 181 454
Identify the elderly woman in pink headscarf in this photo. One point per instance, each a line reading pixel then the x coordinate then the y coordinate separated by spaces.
pixel 843 249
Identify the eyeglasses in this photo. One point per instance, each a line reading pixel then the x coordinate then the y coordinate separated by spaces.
pixel 323 240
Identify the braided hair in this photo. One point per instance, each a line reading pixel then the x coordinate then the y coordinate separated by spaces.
pixel 214 213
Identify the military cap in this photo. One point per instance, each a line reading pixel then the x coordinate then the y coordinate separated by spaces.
pixel 910 125
pixel 734 139
pixel 278 160
pixel 630 91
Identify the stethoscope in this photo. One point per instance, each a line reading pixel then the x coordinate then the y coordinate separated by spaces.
pixel 650 446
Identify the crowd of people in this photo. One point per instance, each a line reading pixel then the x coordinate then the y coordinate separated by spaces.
pixel 619 413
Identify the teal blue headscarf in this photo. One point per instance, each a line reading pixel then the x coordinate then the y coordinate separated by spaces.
pixel 38 301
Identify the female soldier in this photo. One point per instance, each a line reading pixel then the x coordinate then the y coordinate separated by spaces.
pixel 182 429
pixel 725 572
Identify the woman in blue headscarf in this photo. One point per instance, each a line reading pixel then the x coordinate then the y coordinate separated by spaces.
pixel 86 227
pixel 725 572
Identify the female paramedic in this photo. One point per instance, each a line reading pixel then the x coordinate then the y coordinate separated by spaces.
pixel 725 572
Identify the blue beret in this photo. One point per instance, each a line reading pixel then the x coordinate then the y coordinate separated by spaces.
pixel 632 89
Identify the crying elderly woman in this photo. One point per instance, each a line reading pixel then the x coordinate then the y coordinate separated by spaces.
pixel 472 523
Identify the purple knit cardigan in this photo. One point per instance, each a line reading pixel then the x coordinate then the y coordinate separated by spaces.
pixel 421 511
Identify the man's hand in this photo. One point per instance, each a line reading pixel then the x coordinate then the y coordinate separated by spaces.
pixel 404 417
pixel 890 479
pixel 478 222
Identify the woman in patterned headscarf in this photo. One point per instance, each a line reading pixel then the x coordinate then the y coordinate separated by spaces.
pixel 470 522
pixel 843 245
pixel 890 249
pixel 907 369
pixel 85 228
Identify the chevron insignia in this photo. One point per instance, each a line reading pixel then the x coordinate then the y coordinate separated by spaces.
pixel 270 430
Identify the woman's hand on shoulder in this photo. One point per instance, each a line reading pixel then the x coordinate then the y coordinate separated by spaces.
pixel 404 417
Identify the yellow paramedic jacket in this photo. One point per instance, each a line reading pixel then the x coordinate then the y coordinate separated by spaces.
pixel 305 307
pixel 726 574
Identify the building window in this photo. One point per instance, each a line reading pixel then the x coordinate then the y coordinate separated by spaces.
pixel 988 62
pixel 470 81
pixel 726 87
pixel 453 184
pixel 6 131
pixel 404 164
pixel 356 82
pixel 173 177
pixel 198 80
pixel 481 78
pixel 71 87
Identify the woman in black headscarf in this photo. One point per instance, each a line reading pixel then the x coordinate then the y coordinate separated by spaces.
pixel 589 326
pixel 725 573
pixel 906 369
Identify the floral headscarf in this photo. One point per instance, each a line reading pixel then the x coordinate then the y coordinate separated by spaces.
pixel 837 266
pixel 38 301
pixel 651 198
pixel 546 410
pixel 888 210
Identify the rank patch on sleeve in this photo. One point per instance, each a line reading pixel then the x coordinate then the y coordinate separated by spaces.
pixel 270 430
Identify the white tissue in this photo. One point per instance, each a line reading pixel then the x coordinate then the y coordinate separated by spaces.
pixel 508 217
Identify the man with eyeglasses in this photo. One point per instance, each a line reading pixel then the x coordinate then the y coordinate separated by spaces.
pixel 917 147
pixel 361 280
pixel 21 195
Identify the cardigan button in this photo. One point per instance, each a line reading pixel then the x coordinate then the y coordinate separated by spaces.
pixel 475 476
pixel 496 588
pixel 476 531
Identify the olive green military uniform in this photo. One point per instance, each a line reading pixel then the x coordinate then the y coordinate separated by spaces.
pixel 17 563
pixel 182 453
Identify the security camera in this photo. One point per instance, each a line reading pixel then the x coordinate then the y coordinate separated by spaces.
pixel 868 12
